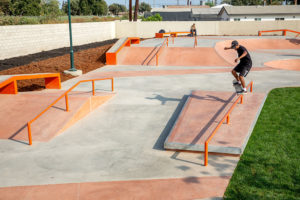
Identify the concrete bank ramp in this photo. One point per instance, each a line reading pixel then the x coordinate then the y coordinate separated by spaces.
pixel 254 44
pixel 202 113
pixel 171 56
pixel 17 110
pixel 289 64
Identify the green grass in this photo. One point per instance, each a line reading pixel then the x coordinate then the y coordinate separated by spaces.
pixel 270 165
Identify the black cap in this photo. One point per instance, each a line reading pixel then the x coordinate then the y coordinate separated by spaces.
pixel 234 43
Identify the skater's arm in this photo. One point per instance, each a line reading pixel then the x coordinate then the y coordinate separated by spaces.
pixel 242 56
pixel 226 48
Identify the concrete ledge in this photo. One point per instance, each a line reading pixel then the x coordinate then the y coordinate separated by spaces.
pixel 202 113
pixel 111 54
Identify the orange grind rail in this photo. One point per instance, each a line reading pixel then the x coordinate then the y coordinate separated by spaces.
pixel 9 86
pixel 283 32
pixel 227 118
pixel 65 95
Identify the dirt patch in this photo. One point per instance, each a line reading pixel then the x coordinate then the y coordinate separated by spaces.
pixel 86 58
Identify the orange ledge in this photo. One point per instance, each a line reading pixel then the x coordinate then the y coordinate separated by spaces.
pixel 9 86
pixel 111 57
pixel 173 34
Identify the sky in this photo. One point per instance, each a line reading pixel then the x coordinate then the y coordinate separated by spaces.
pixel 156 3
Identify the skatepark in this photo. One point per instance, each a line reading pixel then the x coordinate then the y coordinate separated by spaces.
pixel 141 134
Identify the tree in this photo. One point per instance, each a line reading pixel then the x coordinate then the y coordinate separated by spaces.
pixel 155 17
pixel 144 7
pixel 116 8
pixel 26 7
pixel 85 8
pixel 74 4
pixel 5 7
pixel 100 8
pixel 50 7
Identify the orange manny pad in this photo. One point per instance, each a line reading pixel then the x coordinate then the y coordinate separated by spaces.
pixel 165 189
pixel 291 64
pixel 202 113
pixel 19 109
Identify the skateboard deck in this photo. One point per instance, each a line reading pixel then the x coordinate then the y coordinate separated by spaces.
pixel 238 88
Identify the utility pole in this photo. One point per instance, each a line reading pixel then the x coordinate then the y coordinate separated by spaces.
pixel 136 10
pixel 130 10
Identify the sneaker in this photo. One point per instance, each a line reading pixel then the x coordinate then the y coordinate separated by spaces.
pixel 242 92
pixel 235 82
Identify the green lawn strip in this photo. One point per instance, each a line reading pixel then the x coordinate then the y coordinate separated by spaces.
pixel 270 165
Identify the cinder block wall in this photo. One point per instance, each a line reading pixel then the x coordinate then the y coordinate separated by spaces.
pixel 27 39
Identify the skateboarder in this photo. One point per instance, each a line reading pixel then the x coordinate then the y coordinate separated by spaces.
pixel 243 67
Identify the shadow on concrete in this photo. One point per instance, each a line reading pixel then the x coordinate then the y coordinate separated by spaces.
pixel 150 55
pixel 175 155
pixel 294 41
pixel 162 99
pixel 16 133
pixel 213 119
pixel 159 145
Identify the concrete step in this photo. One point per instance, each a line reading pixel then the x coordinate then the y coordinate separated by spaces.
pixel 202 113
pixel 19 109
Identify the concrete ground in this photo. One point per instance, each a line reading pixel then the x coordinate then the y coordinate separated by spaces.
pixel 123 139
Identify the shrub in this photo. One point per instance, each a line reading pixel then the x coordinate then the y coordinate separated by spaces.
pixel 155 17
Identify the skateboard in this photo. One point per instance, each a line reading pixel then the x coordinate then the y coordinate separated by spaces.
pixel 237 87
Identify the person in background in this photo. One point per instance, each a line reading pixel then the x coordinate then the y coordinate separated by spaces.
pixel 193 30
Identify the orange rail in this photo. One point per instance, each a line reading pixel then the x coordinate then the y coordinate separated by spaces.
pixel 283 32
pixel 166 42
pixel 227 118
pixel 65 94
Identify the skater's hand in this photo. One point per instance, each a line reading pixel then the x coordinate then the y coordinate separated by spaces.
pixel 226 48
pixel 236 60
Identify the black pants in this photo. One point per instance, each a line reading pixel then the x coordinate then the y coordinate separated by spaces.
pixel 193 32
pixel 243 69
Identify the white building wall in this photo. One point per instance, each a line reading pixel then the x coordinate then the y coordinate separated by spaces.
pixel 264 18
pixel 27 39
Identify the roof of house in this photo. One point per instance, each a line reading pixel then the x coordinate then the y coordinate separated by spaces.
pixel 171 10
pixel 186 6
pixel 263 10
pixel 205 11
pixel 221 5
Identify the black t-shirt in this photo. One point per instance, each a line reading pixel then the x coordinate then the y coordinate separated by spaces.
pixel 246 59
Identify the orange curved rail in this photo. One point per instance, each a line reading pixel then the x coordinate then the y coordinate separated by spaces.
pixel 227 118
pixel 283 32
pixel 166 42
pixel 65 94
